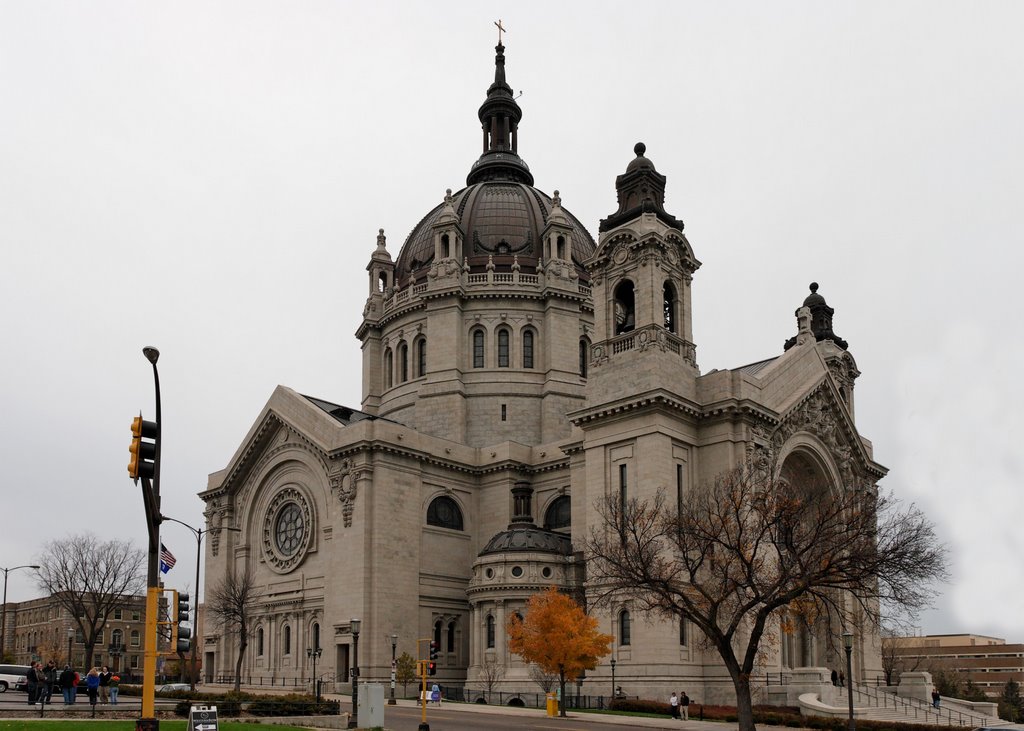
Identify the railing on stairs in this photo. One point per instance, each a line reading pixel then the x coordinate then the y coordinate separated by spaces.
pixel 915 708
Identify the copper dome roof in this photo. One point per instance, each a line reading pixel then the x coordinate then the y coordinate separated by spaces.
pixel 502 219
pixel 528 538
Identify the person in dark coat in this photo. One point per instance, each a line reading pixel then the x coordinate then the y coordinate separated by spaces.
pixel 67 684
pixel 33 683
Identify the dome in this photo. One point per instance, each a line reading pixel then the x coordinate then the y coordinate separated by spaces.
pixel 814 298
pixel 502 219
pixel 529 538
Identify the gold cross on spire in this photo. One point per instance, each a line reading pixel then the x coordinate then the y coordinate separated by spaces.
pixel 501 29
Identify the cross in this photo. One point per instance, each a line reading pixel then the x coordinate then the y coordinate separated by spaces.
pixel 500 29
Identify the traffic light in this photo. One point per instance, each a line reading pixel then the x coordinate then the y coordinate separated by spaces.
pixel 142 463
pixel 432 665
pixel 182 634
pixel 431 668
pixel 433 650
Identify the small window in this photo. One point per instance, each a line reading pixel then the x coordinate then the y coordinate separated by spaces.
pixel 135 638
pixel 389 368
pixel 117 638
pixel 682 632
pixel 403 363
pixel 624 629
pixel 259 642
pixel 517 571
pixel 624 307
pixel 316 636
pixel 136 617
pixel 421 358
pixel 478 348
pixel 451 637
pixel 546 572
pixel 584 357
pixel 287 640
pixel 490 631
pixel 437 634
pixel 117 614
pixel 445 246
pixel 503 348
pixel 528 349
pixel 444 513
pixel 134 661
pixel 670 307
pixel 559 513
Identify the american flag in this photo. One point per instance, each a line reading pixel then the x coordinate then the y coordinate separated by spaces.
pixel 167 559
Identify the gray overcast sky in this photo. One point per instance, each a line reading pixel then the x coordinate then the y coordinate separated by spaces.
pixel 209 178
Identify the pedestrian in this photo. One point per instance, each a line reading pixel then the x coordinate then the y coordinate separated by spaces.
pixel 435 693
pixel 74 688
pixel 105 675
pixel 92 685
pixel 50 678
pixel 115 682
pixel 835 678
pixel 684 705
pixel 936 697
pixel 67 684
pixel 33 683
pixel 673 705
pixel 842 679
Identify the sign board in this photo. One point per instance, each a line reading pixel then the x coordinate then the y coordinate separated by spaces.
pixel 202 718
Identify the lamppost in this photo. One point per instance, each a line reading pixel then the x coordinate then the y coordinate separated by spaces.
pixel 198 533
pixel 394 643
pixel 314 654
pixel 353 720
pixel 848 646
pixel 613 680
pixel 71 636
pixel 3 617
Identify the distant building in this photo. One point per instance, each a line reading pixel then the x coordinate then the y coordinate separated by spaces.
pixel 38 629
pixel 989 662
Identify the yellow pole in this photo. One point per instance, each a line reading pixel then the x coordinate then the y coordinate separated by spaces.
pixel 423 695
pixel 149 661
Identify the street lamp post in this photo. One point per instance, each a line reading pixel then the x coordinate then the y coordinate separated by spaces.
pixel 613 681
pixel 394 644
pixel 314 654
pixel 198 533
pixel 353 720
pixel 71 636
pixel 848 646
pixel 3 617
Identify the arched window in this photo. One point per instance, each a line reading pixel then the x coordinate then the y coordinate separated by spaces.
pixel 421 357
pixel 670 307
pixel 527 348
pixel 490 631
pixel 287 640
pixel 450 647
pixel 117 638
pixel 389 368
pixel 403 363
pixel 624 627
pixel 316 635
pixel 584 356
pixel 558 514
pixel 560 247
pixel 437 634
pixel 625 307
pixel 444 512
pixel 503 348
pixel 445 246
pixel 682 631
pixel 382 281
pixel 478 348
pixel 259 642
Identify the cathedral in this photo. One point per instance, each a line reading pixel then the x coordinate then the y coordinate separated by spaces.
pixel 515 373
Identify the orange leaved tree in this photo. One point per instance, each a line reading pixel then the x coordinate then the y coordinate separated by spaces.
pixel 558 636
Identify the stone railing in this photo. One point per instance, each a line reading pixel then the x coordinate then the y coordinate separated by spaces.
pixel 401 298
pixel 645 338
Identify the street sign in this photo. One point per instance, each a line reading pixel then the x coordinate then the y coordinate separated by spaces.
pixel 202 718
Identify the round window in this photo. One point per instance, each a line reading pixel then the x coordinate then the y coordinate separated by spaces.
pixel 517 571
pixel 546 572
pixel 490 573
pixel 289 529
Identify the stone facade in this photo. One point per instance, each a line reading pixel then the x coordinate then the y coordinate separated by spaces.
pixel 515 372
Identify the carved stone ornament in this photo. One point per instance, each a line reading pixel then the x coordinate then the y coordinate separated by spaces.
pixel 287 530
pixel 343 487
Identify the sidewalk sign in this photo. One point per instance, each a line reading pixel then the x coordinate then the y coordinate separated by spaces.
pixel 202 718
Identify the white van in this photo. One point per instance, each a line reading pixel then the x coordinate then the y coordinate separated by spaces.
pixel 13 676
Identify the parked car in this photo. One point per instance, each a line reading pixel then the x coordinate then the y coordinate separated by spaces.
pixel 171 687
pixel 13 676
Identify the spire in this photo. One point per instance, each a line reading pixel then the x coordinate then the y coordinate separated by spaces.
pixel 641 189
pixel 499 118
pixel 821 320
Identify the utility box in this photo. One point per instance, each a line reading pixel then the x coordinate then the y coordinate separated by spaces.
pixel 552 705
pixel 371 705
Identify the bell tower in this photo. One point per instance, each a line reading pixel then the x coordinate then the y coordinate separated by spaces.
pixel 641 275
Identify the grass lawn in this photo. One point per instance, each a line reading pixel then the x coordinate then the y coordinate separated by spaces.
pixel 26 725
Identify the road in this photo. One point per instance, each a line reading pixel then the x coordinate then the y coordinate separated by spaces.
pixel 404 718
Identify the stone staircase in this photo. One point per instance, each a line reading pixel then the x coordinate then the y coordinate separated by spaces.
pixel 870 703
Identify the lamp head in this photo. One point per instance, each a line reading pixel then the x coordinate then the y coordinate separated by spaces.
pixel 848 640
pixel 394 639
pixel 355 624
pixel 151 353
pixel 35 567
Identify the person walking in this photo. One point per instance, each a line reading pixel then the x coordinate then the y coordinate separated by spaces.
pixel 33 683
pixel 49 680
pixel 74 687
pixel 935 697
pixel 115 682
pixel 105 685
pixel 67 684
pixel 92 685
pixel 684 706
pixel 842 679
pixel 835 678
pixel 673 705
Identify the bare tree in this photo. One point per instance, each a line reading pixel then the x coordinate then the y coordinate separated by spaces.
pixel 749 553
pixel 230 605
pixel 89 579
pixel 544 679
pixel 491 671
